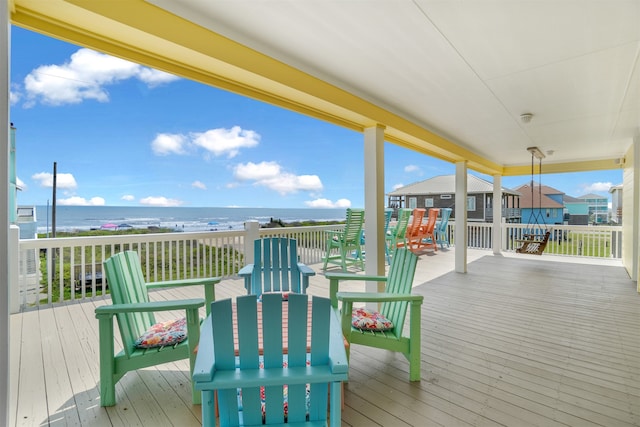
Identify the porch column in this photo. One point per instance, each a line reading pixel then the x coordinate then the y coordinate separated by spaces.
pixel 461 233
pixel 496 235
pixel 374 204
pixel 5 46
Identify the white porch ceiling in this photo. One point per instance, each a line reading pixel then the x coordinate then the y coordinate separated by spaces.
pixel 465 70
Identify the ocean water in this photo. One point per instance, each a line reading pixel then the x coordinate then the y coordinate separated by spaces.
pixel 70 218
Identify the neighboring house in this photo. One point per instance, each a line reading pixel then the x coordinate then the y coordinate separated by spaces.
pixel 576 211
pixel 598 208
pixel 541 204
pixel 439 192
pixel 616 204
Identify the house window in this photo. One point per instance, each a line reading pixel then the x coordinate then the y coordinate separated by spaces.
pixel 471 203
pixel 428 202
pixel 445 196
pixel 413 202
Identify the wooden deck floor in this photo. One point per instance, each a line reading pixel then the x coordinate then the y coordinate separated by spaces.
pixel 516 341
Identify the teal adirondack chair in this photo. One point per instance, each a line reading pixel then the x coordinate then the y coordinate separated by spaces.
pixel 134 313
pixel 442 236
pixel 394 302
pixel 397 234
pixel 276 268
pixel 340 244
pixel 240 374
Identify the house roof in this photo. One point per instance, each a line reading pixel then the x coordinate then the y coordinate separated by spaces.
pixel 592 196
pixel 446 184
pixel 569 199
pixel 539 198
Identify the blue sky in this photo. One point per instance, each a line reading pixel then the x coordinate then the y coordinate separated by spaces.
pixel 125 135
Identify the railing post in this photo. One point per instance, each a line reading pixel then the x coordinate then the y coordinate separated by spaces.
pixel 252 229
pixel 14 269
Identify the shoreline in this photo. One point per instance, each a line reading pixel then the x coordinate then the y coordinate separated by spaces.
pixel 273 223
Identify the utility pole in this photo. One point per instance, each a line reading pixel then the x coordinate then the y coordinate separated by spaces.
pixel 53 213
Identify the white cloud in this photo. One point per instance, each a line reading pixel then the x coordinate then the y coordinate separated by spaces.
pixel 257 171
pixel 271 175
pixel 81 201
pixel 326 203
pixel 412 168
pixel 160 201
pixel 14 94
pixel 63 180
pixel 395 187
pixel 85 76
pixel 128 197
pixel 165 143
pixel 218 142
pixel 598 187
pixel 199 184
pixel 226 141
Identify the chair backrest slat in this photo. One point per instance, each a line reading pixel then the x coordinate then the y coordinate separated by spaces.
pixel 417 215
pixel 224 350
pixel 276 266
pixel 399 281
pixel 432 217
pixel 353 226
pixel 127 286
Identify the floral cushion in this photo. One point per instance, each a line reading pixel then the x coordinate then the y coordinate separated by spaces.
pixel 369 320
pixel 164 334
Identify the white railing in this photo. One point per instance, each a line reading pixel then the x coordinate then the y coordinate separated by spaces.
pixel 54 270
pixel 64 269
pixel 570 240
pixel 598 241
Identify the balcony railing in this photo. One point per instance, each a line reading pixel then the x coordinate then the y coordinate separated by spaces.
pixel 62 269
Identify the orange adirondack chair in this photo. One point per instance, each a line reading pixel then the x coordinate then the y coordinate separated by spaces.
pixel 427 238
pixel 413 232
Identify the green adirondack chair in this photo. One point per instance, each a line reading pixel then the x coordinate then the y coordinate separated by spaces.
pixel 134 313
pixel 394 302
pixel 341 244
pixel 276 268
pixel 249 385
pixel 397 233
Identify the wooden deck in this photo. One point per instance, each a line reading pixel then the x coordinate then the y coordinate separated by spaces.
pixel 517 341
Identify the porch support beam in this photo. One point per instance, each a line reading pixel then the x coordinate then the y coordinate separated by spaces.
pixel 5 49
pixel 496 238
pixel 374 201
pixel 460 236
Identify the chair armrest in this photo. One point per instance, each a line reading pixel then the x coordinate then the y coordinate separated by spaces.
pixel 111 310
pixel 305 270
pixel 245 271
pixel 208 283
pixel 204 367
pixel 184 282
pixel 377 297
pixel 338 361
pixel 336 277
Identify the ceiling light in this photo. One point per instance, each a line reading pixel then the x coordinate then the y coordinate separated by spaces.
pixel 526 117
pixel 535 151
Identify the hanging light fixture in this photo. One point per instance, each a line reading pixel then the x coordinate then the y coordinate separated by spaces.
pixel 535 151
